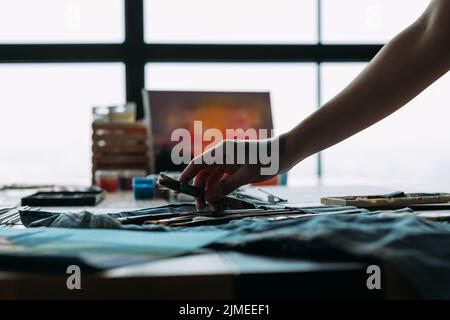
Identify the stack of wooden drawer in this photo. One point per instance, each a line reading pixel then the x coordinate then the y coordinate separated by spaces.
pixel 120 146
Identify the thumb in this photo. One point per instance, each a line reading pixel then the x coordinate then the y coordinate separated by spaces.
pixel 227 185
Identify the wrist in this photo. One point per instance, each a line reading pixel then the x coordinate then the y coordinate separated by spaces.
pixel 292 151
pixel 285 156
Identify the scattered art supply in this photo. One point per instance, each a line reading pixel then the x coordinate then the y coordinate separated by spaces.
pixel 25 186
pixel 393 200
pixel 144 188
pixel 10 217
pixel 88 197
pixel 194 218
pixel 126 178
pixel 107 180
pixel 100 114
pixel 123 114
pixel 115 114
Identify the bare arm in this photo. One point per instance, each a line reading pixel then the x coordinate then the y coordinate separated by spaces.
pixel 400 71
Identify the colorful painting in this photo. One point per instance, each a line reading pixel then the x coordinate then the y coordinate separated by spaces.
pixel 170 110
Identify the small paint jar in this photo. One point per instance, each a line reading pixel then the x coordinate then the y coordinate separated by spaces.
pixel 123 114
pixel 126 178
pixel 144 188
pixel 100 114
pixel 107 180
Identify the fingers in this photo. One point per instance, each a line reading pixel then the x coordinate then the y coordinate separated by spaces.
pixel 200 205
pixel 227 185
pixel 198 164
pixel 192 170
pixel 200 181
pixel 214 177
pixel 201 177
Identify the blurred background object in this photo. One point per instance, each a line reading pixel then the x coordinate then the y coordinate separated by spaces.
pixel 60 57
pixel 120 149
pixel 167 111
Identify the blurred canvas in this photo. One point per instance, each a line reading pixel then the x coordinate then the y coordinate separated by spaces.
pixel 170 110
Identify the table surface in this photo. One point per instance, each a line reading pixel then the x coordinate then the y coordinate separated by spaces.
pixel 208 274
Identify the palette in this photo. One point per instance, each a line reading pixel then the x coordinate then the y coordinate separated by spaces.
pixel 396 199
pixel 88 197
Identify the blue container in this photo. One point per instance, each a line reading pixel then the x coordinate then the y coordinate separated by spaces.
pixel 144 188
pixel 283 179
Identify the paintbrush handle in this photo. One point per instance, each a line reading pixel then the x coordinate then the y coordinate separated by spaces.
pixel 147 217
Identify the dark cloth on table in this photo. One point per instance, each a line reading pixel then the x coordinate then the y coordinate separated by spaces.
pixel 416 249
pixel 86 219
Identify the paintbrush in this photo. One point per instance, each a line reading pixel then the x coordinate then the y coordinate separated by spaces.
pixel 289 214
pixel 159 216
pixel 198 220
pixel 224 217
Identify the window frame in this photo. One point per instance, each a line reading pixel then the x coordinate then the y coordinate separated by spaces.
pixel 134 53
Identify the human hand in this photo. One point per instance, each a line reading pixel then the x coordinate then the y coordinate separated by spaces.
pixel 232 164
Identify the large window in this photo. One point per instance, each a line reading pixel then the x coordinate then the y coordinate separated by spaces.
pixel 367 21
pixel 231 21
pixel 61 21
pixel 59 57
pixel 409 149
pixel 46 116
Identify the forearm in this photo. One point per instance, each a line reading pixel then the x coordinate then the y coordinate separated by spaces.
pixel 401 70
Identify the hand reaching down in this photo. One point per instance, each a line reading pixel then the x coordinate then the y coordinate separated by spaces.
pixel 232 164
